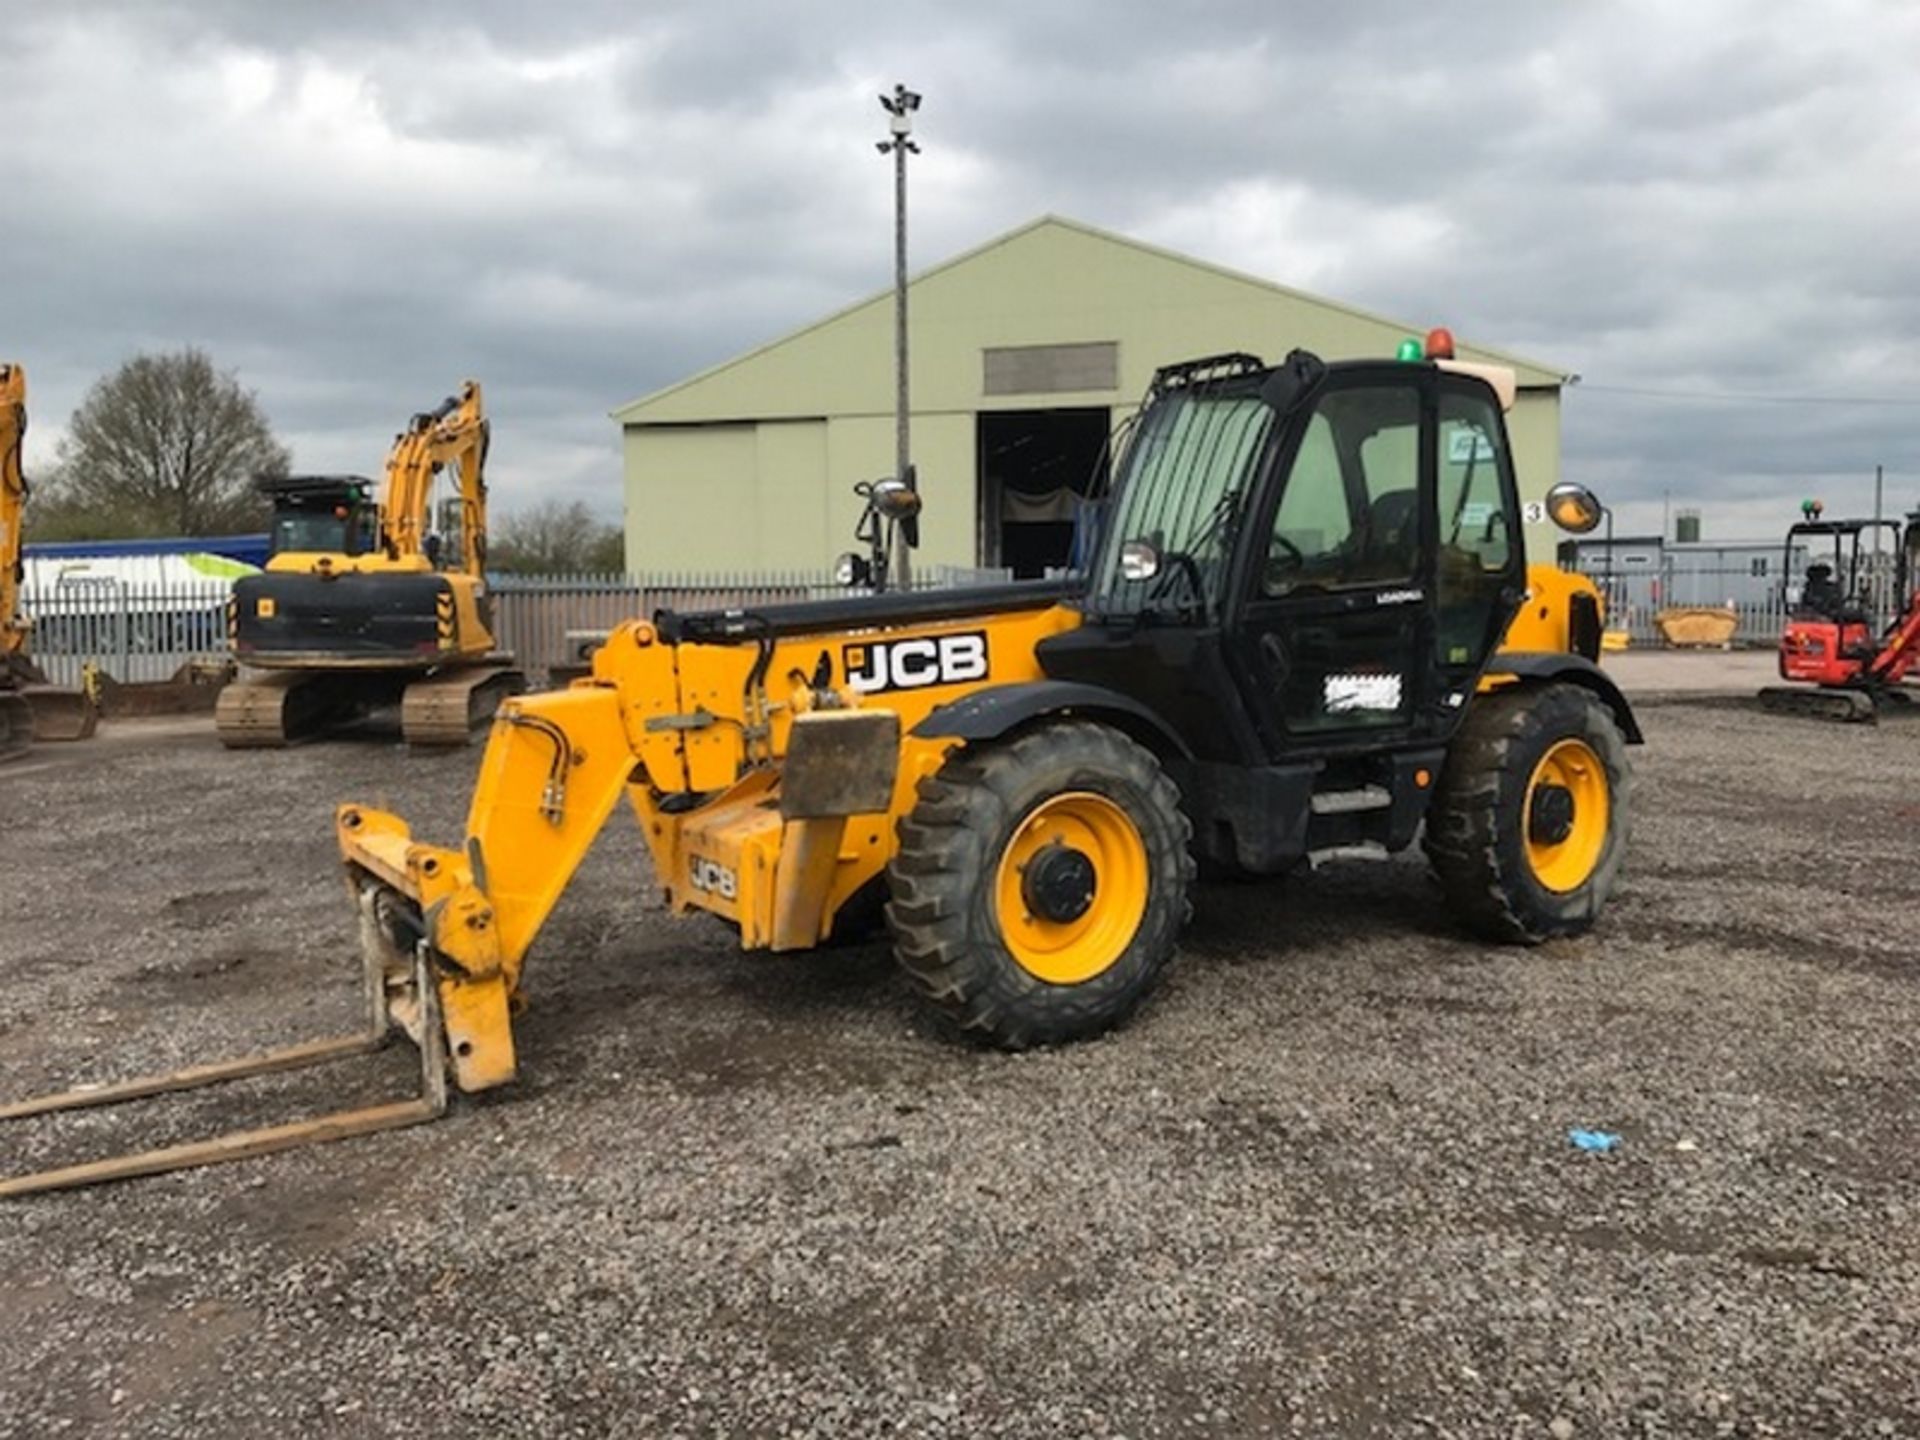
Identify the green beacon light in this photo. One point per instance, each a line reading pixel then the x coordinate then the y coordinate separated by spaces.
pixel 1811 509
pixel 1410 349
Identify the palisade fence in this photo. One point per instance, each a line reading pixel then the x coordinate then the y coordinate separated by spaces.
pixel 544 620
pixel 137 632
pixel 143 632
pixel 1636 598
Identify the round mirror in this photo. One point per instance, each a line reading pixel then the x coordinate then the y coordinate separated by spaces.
pixel 1574 508
pixel 895 499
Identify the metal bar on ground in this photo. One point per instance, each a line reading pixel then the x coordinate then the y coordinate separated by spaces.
pixel 193 1077
pixel 240 1145
pixel 245 1144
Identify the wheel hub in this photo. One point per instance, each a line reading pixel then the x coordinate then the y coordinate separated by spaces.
pixel 1550 818
pixel 1059 884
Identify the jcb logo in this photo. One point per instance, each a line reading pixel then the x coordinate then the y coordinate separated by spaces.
pixel 915 664
pixel 712 877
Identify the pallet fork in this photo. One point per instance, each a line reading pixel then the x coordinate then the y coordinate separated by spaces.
pixel 398 996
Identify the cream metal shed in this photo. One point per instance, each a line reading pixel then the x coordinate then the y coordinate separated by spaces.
pixel 1027 351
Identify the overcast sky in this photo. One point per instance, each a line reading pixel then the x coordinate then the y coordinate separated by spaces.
pixel 355 205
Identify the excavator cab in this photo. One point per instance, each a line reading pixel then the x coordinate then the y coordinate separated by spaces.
pixel 316 515
pixel 1843 581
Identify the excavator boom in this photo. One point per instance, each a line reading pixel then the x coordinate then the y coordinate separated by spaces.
pixel 30 708
pixel 452 436
pixel 13 505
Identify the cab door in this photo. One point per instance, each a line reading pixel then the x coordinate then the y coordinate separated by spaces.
pixel 1335 622
pixel 1479 557
pixel 1383 563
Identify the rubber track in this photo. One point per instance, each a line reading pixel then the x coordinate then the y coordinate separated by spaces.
pixel 267 711
pixel 445 708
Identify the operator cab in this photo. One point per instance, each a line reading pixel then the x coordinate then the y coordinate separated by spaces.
pixel 1851 578
pixel 1338 543
pixel 321 515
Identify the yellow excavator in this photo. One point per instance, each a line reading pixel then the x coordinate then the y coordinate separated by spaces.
pixel 30 708
pixel 1308 633
pixel 361 605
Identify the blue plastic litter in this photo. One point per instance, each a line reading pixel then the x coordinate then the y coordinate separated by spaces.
pixel 1593 1139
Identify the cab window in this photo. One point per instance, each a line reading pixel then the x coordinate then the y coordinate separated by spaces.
pixel 323 530
pixel 1477 538
pixel 1349 513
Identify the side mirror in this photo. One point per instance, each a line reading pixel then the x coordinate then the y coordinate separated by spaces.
pixel 1574 508
pixel 1139 560
pixel 890 498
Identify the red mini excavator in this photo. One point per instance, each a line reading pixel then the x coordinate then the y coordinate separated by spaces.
pixel 1852 632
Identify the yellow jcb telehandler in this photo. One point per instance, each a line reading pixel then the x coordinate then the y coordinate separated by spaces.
pixel 1307 632
pixel 30 708
pixel 361 605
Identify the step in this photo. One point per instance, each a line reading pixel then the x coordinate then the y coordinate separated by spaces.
pixel 1346 802
pixel 1365 850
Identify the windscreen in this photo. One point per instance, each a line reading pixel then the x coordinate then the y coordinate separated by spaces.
pixel 1182 485
pixel 317 531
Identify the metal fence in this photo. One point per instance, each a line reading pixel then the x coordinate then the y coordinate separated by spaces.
pixel 1634 604
pixel 545 619
pixel 146 632
pixel 132 631
pixel 1635 599
pixel 141 632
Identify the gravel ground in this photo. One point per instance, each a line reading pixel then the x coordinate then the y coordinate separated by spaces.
pixel 1321 1186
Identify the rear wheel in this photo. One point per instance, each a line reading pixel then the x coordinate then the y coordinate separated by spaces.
pixel 1041 884
pixel 1528 825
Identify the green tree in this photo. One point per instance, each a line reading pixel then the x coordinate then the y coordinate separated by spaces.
pixel 556 537
pixel 166 445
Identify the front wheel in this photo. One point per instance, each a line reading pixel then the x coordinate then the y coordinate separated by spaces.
pixel 1041 884
pixel 1528 826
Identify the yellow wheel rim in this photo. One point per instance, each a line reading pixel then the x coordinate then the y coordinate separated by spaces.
pixel 1068 833
pixel 1564 850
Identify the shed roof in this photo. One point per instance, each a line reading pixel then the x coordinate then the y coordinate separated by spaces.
pixel 1532 373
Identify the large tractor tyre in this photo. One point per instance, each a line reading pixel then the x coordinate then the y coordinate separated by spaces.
pixel 1528 825
pixel 1041 884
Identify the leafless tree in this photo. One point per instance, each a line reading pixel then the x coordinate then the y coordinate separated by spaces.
pixel 556 537
pixel 167 444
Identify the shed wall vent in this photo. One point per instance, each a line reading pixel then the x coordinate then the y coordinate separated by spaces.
pixel 1051 369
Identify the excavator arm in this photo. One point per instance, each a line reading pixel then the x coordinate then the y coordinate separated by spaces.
pixel 453 434
pixel 13 504
pixel 1899 654
pixel 30 709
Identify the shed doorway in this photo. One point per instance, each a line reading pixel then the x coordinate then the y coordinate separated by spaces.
pixel 1036 466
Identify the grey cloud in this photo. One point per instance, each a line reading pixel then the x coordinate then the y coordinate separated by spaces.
pixel 358 204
